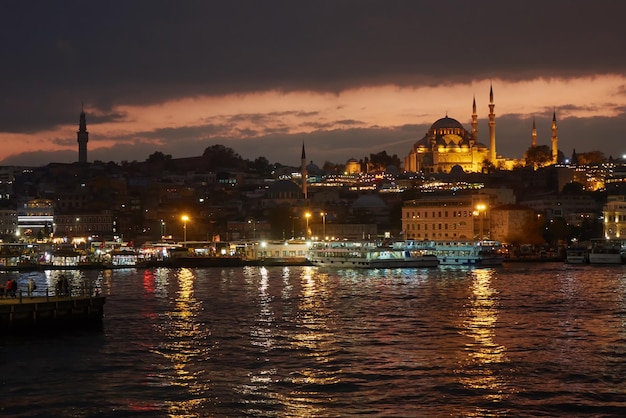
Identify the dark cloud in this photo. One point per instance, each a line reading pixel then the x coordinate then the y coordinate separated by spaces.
pixel 58 54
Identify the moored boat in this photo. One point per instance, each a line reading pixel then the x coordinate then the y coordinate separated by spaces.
pixel 368 254
pixel 577 255
pixel 606 251
pixel 468 253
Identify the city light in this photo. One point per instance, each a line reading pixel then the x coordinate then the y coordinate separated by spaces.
pixel 480 209
pixel 185 219
pixel 307 216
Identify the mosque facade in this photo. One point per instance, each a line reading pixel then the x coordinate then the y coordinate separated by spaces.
pixel 448 144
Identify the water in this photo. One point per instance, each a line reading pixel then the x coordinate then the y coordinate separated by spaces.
pixel 520 340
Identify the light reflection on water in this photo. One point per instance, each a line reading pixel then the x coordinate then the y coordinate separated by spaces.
pixel 522 340
pixel 479 370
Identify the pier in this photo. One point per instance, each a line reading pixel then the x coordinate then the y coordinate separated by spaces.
pixel 50 312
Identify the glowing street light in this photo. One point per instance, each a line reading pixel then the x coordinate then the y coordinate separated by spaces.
pixel 323 225
pixel 481 208
pixel 253 223
pixel 184 218
pixel 307 216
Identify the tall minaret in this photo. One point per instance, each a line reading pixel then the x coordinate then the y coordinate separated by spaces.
pixel 492 128
pixel 555 140
pixel 82 137
pixel 304 173
pixel 474 122
pixel 534 135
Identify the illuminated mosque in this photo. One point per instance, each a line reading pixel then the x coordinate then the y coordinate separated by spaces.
pixel 447 144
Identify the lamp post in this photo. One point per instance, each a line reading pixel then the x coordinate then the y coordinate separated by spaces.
pixel 253 222
pixel 481 212
pixel 307 216
pixel 323 225
pixel 184 218
pixel 162 228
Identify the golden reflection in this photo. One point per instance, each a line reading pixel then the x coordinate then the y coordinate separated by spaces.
pixel 315 338
pixel 182 348
pixel 479 371
pixel 263 333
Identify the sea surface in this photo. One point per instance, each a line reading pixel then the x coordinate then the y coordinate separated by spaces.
pixel 521 340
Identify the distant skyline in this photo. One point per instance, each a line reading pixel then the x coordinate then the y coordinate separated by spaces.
pixel 348 78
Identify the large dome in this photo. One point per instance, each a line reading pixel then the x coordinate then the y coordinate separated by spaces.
pixel 446 123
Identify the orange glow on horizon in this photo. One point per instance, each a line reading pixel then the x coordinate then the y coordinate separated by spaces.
pixel 259 114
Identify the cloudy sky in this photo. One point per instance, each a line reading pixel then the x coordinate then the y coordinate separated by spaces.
pixel 345 77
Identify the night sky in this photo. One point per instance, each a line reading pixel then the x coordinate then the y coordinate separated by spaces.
pixel 346 78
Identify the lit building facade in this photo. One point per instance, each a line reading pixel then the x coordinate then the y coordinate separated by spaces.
pixel 35 220
pixel 614 212
pixel 452 217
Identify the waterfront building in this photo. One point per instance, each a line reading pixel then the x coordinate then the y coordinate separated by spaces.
pixel 8 222
pixel 514 223
pixel 84 225
pixel 35 219
pixel 453 215
pixel 614 214
pixel 561 205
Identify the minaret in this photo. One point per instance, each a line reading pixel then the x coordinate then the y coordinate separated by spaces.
pixel 474 122
pixel 492 128
pixel 555 140
pixel 534 135
pixel 304 173
pixel 83 137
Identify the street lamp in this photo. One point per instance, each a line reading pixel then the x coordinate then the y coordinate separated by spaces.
pixel 162 228
pixel 253 222
pixel 481 208
pixel 184 218
pixel 307 216
pixel 323 225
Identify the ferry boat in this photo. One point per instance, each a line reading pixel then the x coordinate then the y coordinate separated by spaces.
pixel 607 251
pixel 468 253
pixel 369 254
pixel 292 252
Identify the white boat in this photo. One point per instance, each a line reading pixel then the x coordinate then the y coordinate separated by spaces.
pixel 291 252
pixel 606 251
pixel 577 255
pixel 468 253
pixel 368 254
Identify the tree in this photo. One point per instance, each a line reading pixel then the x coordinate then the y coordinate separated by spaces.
pixel 331 167
pixel 573 187
pixel 221 156
pixel 281 220
pixel 590 158
pixel 556 231
pixel 382 160
pixel 488 166
pixel 262 166
pixel 158 157
pixel 538 156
